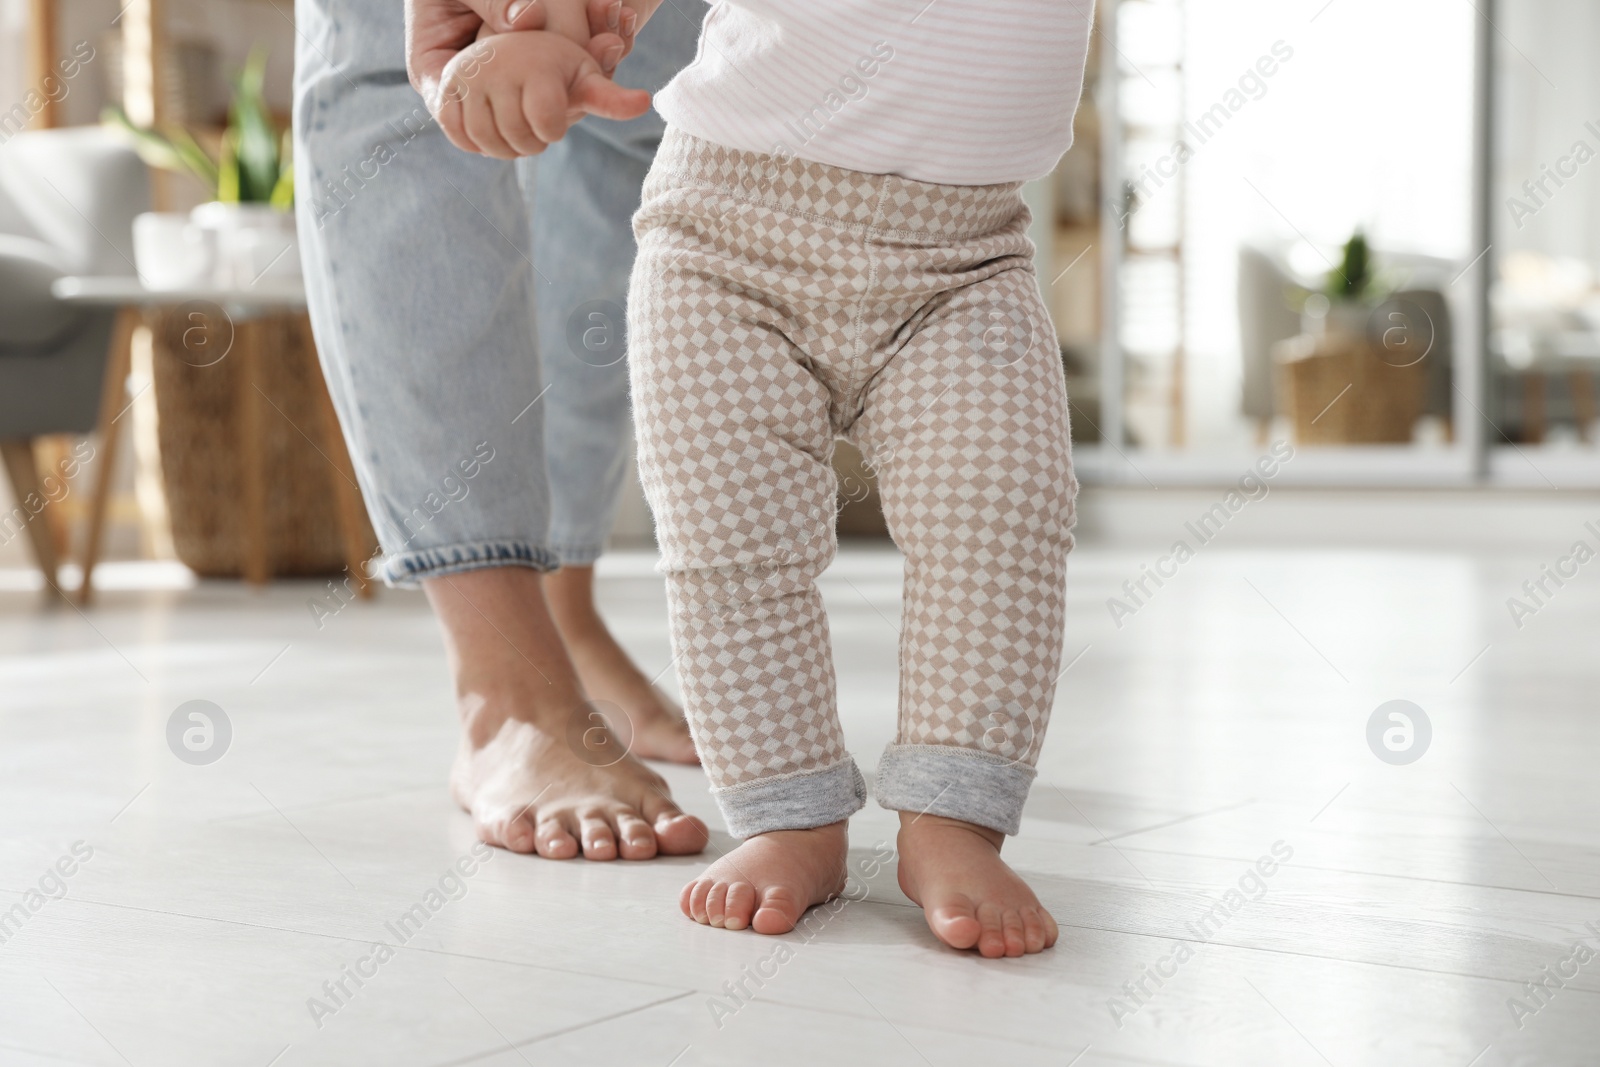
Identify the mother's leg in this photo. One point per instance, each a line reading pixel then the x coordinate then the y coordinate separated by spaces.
pixel 586 191
pixel 419 278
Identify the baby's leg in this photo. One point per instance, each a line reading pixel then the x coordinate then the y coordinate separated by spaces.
pixel 967 430
pixel 734 447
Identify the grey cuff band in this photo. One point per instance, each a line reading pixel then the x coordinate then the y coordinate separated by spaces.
pixel 798 801
pixel 958 783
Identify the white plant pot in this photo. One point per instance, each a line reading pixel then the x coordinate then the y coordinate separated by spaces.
pixel 1343 320
pixel 170 251
pixel 254 243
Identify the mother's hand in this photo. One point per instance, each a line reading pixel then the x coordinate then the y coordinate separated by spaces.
pixel 438 30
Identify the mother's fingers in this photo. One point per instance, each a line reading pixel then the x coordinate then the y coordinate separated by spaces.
pixel 607 49
pixel 504 16
pixel 616 18
pixel 438 30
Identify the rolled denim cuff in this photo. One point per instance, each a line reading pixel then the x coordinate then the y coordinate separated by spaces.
pixel 408 569
pixel 958 783
pixel 797 801
pixel 578 555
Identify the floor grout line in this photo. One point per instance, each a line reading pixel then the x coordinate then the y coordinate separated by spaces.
pixel 647 982
pixel 1378 874
pixel 1516 982
pixel 574 1028
pixel 1173 822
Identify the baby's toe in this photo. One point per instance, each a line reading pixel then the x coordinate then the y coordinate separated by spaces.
pixel 740 906
pixel 956 924
pixel 1032 931
pixel 992 939
pixel 716 902
pixel 1015 932
pixel 779 911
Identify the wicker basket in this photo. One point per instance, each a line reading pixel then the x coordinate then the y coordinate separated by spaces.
pixel 195 402
pixel 1338 390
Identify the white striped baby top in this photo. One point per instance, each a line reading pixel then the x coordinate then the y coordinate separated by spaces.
pixel 954 92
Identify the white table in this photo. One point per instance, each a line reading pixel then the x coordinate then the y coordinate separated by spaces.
pixel 244 309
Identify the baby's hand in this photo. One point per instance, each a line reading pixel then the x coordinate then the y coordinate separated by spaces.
pixel 514 94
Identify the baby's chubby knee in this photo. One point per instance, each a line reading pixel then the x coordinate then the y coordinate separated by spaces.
pixel 753 575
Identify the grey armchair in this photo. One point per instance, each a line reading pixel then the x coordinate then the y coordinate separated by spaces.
pixel 67 203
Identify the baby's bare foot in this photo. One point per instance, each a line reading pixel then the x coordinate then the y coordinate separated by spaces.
pixel 971 898
pixel 769 881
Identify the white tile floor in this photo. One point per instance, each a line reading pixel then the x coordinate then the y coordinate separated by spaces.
pixel 1227 717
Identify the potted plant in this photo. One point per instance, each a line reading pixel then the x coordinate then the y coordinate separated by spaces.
pixel 1343 350
pixel 1350 293
pixel 248 229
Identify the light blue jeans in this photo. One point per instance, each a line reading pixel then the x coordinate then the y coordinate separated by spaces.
pixel 472 332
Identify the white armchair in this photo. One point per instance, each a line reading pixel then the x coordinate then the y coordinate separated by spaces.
pixel 67 203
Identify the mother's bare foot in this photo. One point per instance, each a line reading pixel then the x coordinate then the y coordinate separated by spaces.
pixel 535 772
pixel 529 791
pixel 655 727
pixel 769 881
pixel 970 897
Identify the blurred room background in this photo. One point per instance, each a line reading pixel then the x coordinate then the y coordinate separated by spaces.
pixel 1194 245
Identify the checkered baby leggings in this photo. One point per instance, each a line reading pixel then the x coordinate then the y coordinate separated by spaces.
pixel 778 304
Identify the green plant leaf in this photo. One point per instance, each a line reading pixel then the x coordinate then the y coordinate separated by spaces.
pixel 228 169
pixel 257 141
pixel 283 190
pixel 177 151
pixel 195 158
pixel 1352 279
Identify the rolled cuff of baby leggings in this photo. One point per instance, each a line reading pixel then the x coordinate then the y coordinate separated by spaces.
pixel 957 783
pixel 797 801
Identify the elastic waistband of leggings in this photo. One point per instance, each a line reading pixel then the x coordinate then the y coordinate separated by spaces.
pixel 877 202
